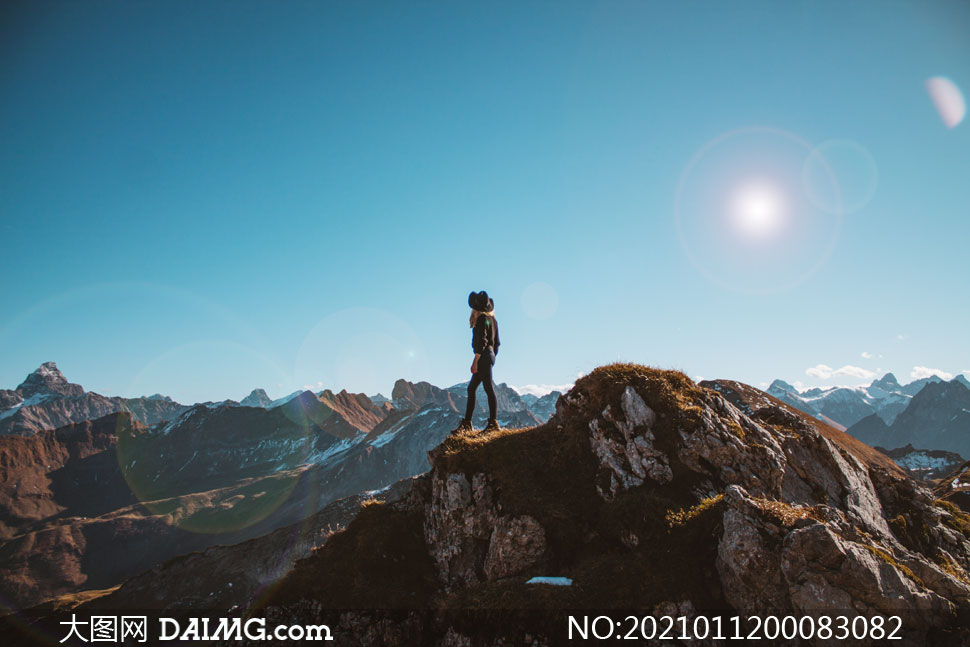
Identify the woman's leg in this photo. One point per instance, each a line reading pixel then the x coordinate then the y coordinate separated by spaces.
pixel 486 378
pixel 472 387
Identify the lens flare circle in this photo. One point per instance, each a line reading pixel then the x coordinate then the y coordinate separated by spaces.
pixel 145 458
pixel 853 168
pixel 743 216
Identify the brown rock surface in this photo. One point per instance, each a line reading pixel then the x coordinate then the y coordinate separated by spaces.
pixel 650 492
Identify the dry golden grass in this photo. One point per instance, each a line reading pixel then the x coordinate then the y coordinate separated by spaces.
pixel 784 513
pixel 889 559
pixel 682 516
pixel 73 600
pixel 958 519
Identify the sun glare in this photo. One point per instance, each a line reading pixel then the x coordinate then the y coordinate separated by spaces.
pixel 757 210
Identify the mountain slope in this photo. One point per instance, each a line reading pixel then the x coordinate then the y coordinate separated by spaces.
pixel 223 576
pixel 649 493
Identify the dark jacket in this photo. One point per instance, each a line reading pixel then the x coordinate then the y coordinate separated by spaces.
pixel 485 335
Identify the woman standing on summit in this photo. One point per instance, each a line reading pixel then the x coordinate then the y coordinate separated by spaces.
pixel 485 343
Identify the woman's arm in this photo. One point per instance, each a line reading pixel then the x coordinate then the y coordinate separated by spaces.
pixel 479 340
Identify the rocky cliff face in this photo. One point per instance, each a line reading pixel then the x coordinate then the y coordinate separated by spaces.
pixel 649 493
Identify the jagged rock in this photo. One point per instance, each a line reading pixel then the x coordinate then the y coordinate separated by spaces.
pixel 746 561
pixel 516 544
pixel 469 540
pixel 624 445
pixel 9 399
pixel 458 523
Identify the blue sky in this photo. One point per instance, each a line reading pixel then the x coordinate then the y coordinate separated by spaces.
pixel 201 198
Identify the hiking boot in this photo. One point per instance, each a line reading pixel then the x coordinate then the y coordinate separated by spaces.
pixel 492 425
pixel 463 427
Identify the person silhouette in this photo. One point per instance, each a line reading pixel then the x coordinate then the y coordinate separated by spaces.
pixel 485 343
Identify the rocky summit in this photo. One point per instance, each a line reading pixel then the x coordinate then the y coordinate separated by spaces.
pixel 45 400
pixel 646 493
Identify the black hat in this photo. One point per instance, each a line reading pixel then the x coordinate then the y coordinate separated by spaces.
pixel 480 301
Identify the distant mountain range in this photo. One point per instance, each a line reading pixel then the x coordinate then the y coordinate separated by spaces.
pixel 938 417
pixel 45 400
pixel 122 484
pixel 930 413
pixel 885 397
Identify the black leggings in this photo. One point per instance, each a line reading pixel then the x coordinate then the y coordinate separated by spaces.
pixel 484 377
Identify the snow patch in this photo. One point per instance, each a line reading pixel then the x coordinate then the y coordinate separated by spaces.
pixel 337 448
pixel 29 402
pixel 554 581
pixel 389 435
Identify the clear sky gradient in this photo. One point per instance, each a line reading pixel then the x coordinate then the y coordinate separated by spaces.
pixel 200 198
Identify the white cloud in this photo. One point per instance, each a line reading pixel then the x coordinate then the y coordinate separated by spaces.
pixel 763 385
pixel 900 337
pixel 824 372
pixel 540 390
pixel 698 378
pixel 919 372
pixel 866 355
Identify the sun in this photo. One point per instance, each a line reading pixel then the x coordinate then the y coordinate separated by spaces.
pixel 757 210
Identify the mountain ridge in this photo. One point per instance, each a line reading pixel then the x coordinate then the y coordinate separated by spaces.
pixel 647 492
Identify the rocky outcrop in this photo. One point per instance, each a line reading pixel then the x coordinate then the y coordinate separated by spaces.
pixel 470 540
pixel 650 492
pixel 9 399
